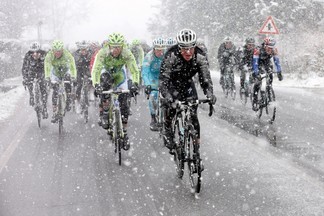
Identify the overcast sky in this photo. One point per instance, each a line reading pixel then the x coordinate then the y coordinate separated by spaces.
pixel 107 16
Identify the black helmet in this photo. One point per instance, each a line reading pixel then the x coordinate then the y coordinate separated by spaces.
pixel 249 40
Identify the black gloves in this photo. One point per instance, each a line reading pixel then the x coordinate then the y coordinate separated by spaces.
pixel 212 97
pixel 169 99
pixel 25 82
pixel 256 76
pixel 134 89
pixel 280 76
pixel 148 89
pixel 98 90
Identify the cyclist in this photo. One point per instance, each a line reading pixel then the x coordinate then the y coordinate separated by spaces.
pixel 262 63
pixel 170 42
pixel 226 57
pixel 59 64
pixel 82 58
pixel 246 59
pixel 179 66
pixel 138 52
pixel 114 56
pixel 150 75
pixel 33 68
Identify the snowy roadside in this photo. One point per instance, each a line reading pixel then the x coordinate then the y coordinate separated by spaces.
pixel 9 99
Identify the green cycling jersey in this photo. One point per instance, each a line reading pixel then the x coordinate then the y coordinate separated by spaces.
pixel 59 65
pixel 105 61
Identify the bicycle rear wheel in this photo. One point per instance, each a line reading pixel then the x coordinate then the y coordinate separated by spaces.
pixel 194 167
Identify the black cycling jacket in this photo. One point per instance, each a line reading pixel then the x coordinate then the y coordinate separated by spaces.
pixel 176 76
pixel 33 68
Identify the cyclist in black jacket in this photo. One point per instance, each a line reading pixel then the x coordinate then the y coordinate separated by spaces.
pixel 179 66
pixel 33 67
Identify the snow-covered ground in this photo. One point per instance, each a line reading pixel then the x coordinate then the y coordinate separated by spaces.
pixel 10 99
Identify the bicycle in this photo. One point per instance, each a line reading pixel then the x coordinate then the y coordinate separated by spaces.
pixel 266 98
pixel 115 126
pixel 61 103
pixel 229 83
pixel 184 135
pixel 246 91
pixel 84 101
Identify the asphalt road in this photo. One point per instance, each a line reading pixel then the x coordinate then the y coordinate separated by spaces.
pixel 251 168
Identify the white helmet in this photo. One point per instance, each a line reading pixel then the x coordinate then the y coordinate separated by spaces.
pixel 35 46
pixel 186 37
pixel 159 43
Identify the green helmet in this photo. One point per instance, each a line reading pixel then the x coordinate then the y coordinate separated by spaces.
pixel 57 45
pixel 116 39
pixel 136 42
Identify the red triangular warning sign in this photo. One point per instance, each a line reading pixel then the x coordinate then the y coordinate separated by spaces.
pixel 269 27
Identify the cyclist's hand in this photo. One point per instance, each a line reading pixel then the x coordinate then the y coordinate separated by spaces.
pixel 134 89
pixel 148 89
pixel 169 99
pixel 25 82
pixel 257 77
pixel 280 76
pixel 74 82
pixel 98 90
pixel 212 97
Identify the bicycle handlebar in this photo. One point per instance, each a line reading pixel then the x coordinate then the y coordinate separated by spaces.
pixel 196 102
pixel 111 91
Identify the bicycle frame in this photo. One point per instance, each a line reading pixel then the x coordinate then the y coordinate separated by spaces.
pixel 114 119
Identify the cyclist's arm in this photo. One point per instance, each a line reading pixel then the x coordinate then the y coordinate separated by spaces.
pixel 255 61
pixel 204 74
pixel 97 67
pixel 132 66
pixel 166 69
pixel 24 69
pixel 146 68
pixel 71 61
pixel 276 60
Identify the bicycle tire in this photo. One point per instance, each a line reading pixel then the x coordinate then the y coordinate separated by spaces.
pixel 194 169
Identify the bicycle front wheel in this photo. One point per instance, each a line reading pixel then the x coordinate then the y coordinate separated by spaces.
pixel 194 165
